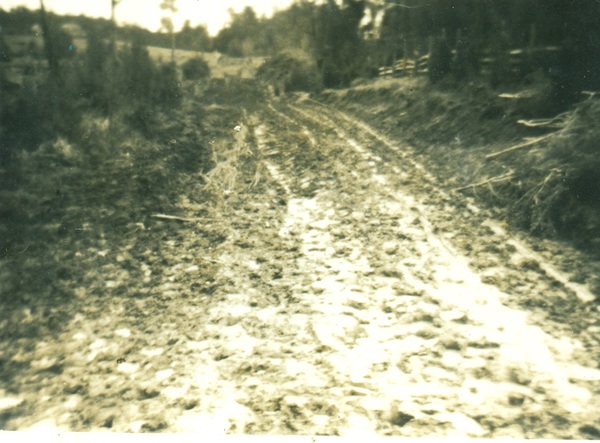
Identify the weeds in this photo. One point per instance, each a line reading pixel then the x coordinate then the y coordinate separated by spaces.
pixel 560 192
pixel 228 159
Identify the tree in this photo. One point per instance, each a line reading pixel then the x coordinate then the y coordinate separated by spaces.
pixel 196 39
pixel 18 20
pixel 292 29
pixel 338 42
pixel 95 73
pixel 113 22
pixel 246 35
pixel 167 23
pixel 111 87
pixel 136 72
pixel 575 26
pixel 113 5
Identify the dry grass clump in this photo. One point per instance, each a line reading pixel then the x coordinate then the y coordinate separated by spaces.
pixel 543 173
pixel 229 158
pixel 560 177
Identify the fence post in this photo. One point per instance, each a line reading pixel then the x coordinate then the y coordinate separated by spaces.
pixel 530 62
pixel 501 67
pixel 440 59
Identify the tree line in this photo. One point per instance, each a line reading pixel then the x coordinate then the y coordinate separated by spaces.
pixel 21 20
pixel 347 39
pixel 59 84
pixel 351 38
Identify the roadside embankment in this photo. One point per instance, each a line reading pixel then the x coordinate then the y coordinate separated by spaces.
pixel 538 168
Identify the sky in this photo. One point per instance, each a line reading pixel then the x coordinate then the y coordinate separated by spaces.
pixel 147 13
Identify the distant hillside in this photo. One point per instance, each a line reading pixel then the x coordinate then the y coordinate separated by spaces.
pixel 23 21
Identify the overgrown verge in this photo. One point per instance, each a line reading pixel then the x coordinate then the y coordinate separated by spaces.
pixel 97 199
pixel 76 205
pixel 556 186
pixel 542 172
pixel 77 116
pixel 89 157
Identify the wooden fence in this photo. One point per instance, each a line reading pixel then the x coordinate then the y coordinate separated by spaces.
pixel 516 61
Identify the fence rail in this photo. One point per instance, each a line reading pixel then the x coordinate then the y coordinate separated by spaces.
pixel 515 60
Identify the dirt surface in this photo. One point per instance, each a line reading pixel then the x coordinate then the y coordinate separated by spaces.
pixel 465 134
pixel 332 288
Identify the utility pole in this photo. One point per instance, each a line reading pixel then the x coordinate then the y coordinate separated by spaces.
pixel 113 21
pixel 113 5
pixel 167 23
pixel 112 71
pixel 49 48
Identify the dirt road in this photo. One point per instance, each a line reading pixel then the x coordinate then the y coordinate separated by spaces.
pixel 337 290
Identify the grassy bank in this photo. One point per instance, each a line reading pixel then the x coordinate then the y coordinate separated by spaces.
pixel 540 170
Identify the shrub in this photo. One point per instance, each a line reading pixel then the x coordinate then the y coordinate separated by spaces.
pixel 137 72
pixel 62 43
pixel 195 69
pixel 287 74
pixel 166 89
pixel 108 82
pixel 38 110
pixel 94 73
pixel 562 183
pixel 5 52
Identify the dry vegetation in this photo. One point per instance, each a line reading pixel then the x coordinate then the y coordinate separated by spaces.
pixel 539 170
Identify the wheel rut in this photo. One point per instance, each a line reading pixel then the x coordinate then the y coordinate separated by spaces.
pixel 333 287
pixel 404 318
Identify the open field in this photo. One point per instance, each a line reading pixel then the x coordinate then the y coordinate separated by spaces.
pixel 220 65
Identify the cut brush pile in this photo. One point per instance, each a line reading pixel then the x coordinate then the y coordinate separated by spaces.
pixel 556 184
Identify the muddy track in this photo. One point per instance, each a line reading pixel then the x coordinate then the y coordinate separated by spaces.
pixel 337 290
pixel 391 245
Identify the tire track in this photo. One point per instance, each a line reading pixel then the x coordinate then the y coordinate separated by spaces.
pixel 442 348
pixel 330 296
pixel 582 292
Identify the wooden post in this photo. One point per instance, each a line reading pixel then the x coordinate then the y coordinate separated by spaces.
pixel 51 56
pixel 404 56
pixel 112 71
pixel 530 57
pixel 173 45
